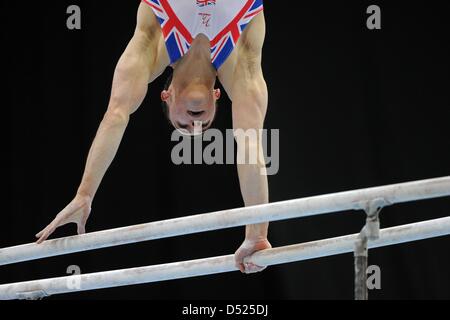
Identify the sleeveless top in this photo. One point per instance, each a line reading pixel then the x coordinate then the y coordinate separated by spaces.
pixel 222 21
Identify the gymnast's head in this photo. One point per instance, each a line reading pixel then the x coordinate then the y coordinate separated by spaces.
pixel 190 106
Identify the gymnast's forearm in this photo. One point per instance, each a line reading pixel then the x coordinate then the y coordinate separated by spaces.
pixel 102 152
pixel 129 89
pixel 255 191
pixel 249 108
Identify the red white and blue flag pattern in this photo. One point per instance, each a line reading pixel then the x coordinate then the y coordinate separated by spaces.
pixel 222 25
pixel 203 3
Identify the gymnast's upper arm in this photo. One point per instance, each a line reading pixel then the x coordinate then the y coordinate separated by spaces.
pixel 140 63
pixel 146 23
pixel 249 90
pixel 250 99
pixel 148 41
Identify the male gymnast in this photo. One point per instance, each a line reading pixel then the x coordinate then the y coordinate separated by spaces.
pixel 201 40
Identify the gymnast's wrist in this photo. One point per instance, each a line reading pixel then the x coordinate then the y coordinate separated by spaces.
pixel 85 197
pixel 256 233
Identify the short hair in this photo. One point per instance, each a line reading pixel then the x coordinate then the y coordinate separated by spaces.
pixel 165 106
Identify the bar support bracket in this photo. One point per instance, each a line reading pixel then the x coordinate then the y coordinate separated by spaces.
pixel 370 232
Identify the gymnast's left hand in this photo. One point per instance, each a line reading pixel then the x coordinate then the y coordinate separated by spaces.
pixel 249 247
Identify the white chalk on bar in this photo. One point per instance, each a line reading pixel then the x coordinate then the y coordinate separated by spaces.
pixel 350 200
pixel 194 268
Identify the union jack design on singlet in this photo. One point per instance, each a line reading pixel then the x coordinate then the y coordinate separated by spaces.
pixel 222 21
pixel 202 3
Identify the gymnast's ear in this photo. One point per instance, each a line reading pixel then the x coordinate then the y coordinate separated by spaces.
pixel 165 95
pixel 217 94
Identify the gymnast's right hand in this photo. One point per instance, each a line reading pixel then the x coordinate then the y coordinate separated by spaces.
pixel 77 211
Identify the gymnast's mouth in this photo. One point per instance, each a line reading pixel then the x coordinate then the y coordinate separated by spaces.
pixel 196 114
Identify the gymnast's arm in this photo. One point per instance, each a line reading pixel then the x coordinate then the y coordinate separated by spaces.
pixel 250 99
pixel 139 65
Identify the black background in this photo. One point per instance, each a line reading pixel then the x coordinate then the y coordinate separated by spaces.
pixel 356 108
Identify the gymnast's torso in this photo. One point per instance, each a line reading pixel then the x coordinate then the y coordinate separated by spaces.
pixel 222 22
pixel 235 29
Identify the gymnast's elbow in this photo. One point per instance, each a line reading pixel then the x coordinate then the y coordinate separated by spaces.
pixel 116 117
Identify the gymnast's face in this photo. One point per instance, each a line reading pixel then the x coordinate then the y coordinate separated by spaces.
pixel 191 109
